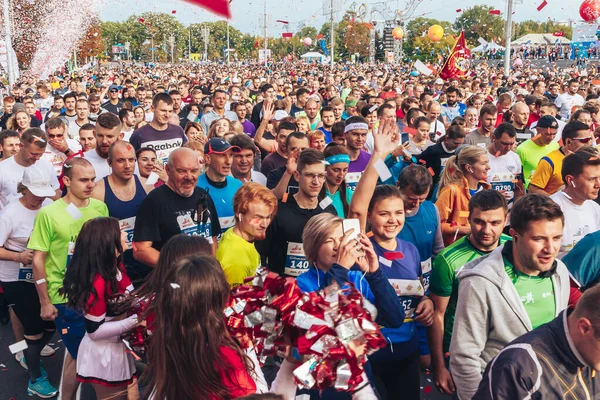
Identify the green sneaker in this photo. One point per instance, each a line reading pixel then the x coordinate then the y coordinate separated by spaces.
pixel 42 369
pixel 42 388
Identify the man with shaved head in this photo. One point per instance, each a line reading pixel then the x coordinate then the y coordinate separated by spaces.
pixel 312 112
pixel 520 117
pixel 179 207
pixel 123 193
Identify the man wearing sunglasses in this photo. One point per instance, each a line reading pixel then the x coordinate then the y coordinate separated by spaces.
pixel 547 178
pixel 113 104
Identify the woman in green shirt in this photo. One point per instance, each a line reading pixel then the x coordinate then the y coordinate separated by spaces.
pixel 335 187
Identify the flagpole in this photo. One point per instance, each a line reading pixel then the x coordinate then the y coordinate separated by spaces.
pixel 508 36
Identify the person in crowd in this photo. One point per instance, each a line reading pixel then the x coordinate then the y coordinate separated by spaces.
pixel 419 142
pixel 317 140
pixel 194 133
pixel 335 186
pixel 10 143
pixel 60 147
pixel 87 138
pixel 93 281
pixel 242 166
pixel 516 288
pixel 581 174
pixel 547 178
pixel 532 150
pixel 505 174
pixel 254 206
pixel 20 121
pixel 16 276
pixel 464 175
pixel 218 100
pixel 281 180
pixel 436 156
pixel 107 131
pixel 282 250
pixel 33 146
pixel 356 131
pixel 217 181
pixel 177 207
pixel 564 350
pixel 482 136
pixel 52 241
pixel 488 213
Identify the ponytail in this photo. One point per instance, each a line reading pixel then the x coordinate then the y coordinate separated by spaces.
pixel 451 173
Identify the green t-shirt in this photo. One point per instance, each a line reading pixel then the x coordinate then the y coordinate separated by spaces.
pixel 55 232
pixel 444 277
pixel 536 293
pixel 530 155
pixel 238 258
pixel 337 200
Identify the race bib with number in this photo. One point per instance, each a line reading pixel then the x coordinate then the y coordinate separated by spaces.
pixel 352 179
pixel 128 225
pixel 503 182
pixel 188 227
pixel 408 291
pixel 443 162
pixel 25 273
pixel 426 273
pixel 295 260
pixel 226 223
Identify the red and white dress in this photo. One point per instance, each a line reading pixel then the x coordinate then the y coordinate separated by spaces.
pixel 103 358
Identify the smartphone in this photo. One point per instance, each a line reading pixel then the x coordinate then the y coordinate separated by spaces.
pixel 352 223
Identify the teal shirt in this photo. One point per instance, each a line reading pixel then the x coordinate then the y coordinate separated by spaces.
pixel 337 200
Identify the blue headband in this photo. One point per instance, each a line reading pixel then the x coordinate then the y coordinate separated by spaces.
pixel 338 158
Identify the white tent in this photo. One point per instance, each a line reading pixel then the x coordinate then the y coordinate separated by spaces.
pixel 491 46
pixel 540 39
pixel 313 56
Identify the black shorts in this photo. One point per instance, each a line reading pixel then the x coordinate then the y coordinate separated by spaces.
pixel 24 300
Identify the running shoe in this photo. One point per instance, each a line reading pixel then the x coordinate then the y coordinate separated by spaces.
pixel 42 369
pixel 42 388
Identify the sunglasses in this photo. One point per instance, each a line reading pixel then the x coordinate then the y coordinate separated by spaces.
pixel 583 140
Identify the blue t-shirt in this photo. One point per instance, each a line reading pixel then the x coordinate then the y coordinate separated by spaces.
pixel 326 133
pixel 420 229
pixel 222 198
pixel 403 270
pixel 583 261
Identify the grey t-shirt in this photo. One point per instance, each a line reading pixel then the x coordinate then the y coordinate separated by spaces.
pixel 477 139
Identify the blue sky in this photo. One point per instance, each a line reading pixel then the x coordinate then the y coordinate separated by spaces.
pixel 247 15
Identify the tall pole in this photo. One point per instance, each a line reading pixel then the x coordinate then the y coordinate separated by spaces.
pixel 152 48
pixel 509 7
pixel 172 43
pixel 265 30
pixel 332 37
pixel 190 45
pixel 8 41
pixel 227 42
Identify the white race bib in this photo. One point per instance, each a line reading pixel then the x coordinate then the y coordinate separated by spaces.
pixel 295 260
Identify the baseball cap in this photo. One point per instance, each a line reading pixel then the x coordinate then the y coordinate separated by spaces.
pixel 219 146
pixel 113 87
pixel 38 182
pixel 439 81
pixel 547 121
pixel 280 114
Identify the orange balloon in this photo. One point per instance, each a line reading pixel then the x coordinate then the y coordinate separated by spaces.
pixel 398 33
pixel 435 33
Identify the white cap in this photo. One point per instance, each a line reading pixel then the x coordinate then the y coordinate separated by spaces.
pixel 439 81
pixel 280 114
pixel 38 181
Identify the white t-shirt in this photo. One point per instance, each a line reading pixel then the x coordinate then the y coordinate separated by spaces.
pixel 258 177
pixel 100 164
pixel 74 128
pixel 438 128
pixel 579 220
pixel 16 224
pixel 503 171
pixel 565 103
pixel 11 174
pixel 56 158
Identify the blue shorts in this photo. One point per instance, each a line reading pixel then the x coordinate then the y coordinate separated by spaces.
pixel 71 326
pixel 423 345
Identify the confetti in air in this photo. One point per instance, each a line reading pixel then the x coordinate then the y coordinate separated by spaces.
pixel 56 45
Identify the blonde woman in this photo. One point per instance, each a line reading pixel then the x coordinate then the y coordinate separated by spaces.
pixel 464 175
pixel 303 124
pixel 218 128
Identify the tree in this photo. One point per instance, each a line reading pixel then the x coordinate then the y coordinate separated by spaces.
pixel 478 22
pixel 416 42
pixel 91 44
pixel 357 38
pixel 526 27
pixel 308 31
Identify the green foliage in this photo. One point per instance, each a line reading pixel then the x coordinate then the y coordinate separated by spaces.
pixel 478 22
pixel 549 26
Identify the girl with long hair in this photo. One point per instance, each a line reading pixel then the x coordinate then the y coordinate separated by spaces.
pixel 464 175
pixel 335 186
pixel 191 354
pixel 93 283
pixel 20 121
pixel 395 367
pixel 218 128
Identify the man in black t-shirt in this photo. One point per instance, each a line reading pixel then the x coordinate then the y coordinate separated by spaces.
pixel 179 207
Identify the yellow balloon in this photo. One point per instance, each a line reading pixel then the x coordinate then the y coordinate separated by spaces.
pixel 398 33
pixel 435 33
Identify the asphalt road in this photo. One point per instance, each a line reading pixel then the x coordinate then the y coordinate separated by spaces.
pixel 13 378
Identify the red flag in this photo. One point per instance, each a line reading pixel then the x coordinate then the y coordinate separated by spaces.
pixel 256 44
pixel 174 12
pixel 495 12
pixel 558 33
pixel 141 20
pixel 459 10
pixel 287 34
pixel 282 21
pixel 219 7
pixel 542 5
pixel 320 36
pixel 458 62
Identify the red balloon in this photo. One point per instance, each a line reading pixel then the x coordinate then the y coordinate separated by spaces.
pixel 590 10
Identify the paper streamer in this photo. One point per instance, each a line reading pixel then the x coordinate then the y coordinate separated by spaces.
pixel 74 212
pixel 382 170
pixel 152 178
